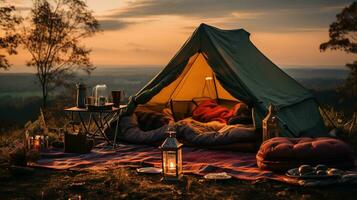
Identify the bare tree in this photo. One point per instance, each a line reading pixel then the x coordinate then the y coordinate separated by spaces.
pixel 53 38
pixel 8 36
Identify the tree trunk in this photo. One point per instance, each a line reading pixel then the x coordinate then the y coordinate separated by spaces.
pixel 44 97
pixel 44 101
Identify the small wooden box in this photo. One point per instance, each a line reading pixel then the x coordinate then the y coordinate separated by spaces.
pixel 77 143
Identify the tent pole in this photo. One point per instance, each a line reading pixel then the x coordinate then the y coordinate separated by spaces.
pixel 215 86
pixel 214 78
pixel 172 94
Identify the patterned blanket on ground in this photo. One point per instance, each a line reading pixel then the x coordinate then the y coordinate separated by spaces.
pixel 202 128
pixel 195 161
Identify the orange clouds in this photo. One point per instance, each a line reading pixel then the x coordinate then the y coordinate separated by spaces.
pixel 151 36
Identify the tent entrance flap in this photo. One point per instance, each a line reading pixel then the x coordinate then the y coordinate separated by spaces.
pixel 196 81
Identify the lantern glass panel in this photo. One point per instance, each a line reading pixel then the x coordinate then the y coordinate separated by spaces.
pixel 179 161
pixel 100 93
pixel 169 161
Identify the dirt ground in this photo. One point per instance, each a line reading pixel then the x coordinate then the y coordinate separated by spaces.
pixel 128 184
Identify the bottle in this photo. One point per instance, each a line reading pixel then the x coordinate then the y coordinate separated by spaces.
pixel 81 95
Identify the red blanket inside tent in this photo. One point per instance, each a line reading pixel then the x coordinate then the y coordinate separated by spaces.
pixel 209 110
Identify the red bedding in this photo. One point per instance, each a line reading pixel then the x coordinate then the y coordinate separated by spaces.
pixel 209 110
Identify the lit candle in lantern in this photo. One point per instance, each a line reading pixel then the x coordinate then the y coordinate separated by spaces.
pixel 171 157
pixel 172 165
pixel 171 162
pixel 37 143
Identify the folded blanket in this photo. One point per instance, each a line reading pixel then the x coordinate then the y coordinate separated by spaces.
pixel 149 119
pixel 200 127
pixel 209 110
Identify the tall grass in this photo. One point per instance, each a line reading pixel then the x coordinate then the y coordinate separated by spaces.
pixel 344 127
pixel 337 119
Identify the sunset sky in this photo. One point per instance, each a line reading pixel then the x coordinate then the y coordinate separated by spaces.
pixel 150 32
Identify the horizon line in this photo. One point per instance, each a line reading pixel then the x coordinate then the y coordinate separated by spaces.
pixel 116 67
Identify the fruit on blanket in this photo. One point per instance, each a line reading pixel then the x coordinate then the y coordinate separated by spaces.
pixel 321 172
pixel 305 170
pixel 334 171
pixel 321 167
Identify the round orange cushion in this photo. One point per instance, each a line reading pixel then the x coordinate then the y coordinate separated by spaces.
pixel 281 154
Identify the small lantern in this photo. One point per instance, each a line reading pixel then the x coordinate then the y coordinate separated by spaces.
pixel 270 124
pixel 37 143
pixel 171 157
pixel 100 93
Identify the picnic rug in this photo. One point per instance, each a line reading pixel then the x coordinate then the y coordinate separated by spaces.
pixel 195 161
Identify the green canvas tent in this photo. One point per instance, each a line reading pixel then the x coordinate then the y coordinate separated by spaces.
pixel 239 72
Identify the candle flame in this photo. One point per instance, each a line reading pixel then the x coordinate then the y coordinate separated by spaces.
pixel 171 165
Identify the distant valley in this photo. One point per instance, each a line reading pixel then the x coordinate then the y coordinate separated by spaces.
pixel 132 79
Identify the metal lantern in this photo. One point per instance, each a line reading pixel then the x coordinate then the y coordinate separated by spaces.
pixel 171 157
pixel 270 124
pixel 100 93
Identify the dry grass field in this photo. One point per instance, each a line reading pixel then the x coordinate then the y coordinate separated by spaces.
pixel 128 184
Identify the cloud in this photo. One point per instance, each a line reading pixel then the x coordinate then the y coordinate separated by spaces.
pixel 113 24
pixel 23 8
pixel 214 8
pixel 261 15
pixel 248 15
pixel 130 46
pixel 138 48
pixel 189 28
